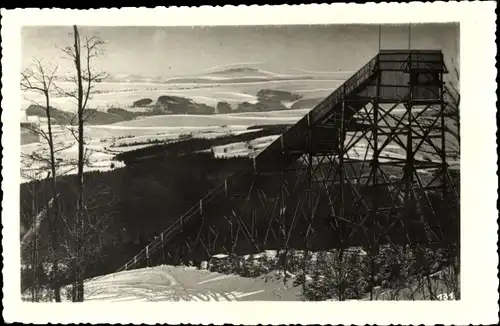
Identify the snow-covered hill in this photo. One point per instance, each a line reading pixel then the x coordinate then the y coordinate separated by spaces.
pixel 179 283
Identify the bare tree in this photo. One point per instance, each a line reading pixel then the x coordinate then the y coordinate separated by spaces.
pixel 40 79
pixel 84 80
pixel 83 235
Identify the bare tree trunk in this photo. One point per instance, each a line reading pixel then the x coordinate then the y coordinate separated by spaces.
pixel 78 277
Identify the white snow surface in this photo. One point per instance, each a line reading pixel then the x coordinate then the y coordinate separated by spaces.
pixel 179 283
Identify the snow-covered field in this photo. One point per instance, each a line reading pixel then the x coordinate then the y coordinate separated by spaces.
pixel 189 121
pixel 250 148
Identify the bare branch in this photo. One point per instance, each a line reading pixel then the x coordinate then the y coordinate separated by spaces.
pixel 37 78
pixel 93 46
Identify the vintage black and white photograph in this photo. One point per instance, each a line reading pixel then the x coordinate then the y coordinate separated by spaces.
pixel 296 163
pixel 237 171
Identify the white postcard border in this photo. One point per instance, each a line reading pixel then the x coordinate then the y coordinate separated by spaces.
pixel 479 182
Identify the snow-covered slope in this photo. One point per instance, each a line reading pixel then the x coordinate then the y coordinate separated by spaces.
pixel 178 283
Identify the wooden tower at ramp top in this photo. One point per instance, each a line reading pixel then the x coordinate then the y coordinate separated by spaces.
pixel 365 167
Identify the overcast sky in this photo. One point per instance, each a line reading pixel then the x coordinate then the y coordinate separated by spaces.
pixel 171 51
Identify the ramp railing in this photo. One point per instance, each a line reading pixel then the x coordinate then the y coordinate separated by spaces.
pixel 180 223
pixel 321 111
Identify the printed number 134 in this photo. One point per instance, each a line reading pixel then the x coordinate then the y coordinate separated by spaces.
pixel 444 296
